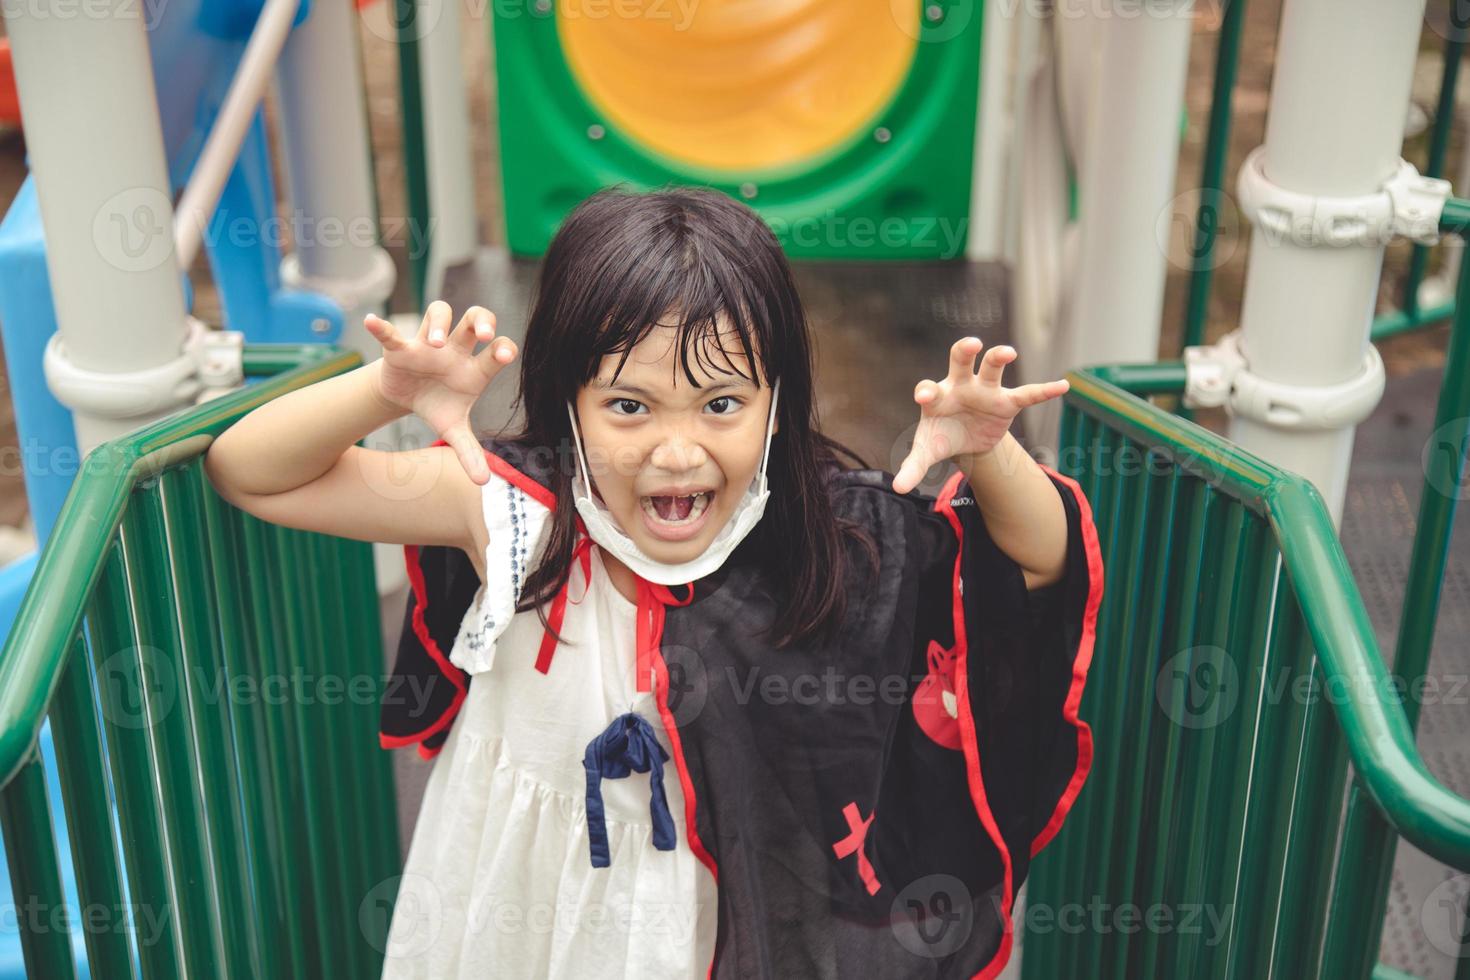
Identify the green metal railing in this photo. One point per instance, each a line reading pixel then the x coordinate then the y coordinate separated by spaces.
pixel 1412 315
pixel 219 676
pixel 1235 674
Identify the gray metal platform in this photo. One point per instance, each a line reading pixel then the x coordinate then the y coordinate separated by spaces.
pixel 880 327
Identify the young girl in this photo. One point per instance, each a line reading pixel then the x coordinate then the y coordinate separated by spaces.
pixel 704 700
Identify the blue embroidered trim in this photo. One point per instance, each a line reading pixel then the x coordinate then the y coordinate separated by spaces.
pixel 519 556
pixel 518 550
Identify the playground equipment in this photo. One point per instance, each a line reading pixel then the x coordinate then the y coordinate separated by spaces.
pixel 1223 795
pixel 160 627
pixel 233 815
pixel 850 130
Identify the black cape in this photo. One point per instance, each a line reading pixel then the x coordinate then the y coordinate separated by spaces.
pixel 868 807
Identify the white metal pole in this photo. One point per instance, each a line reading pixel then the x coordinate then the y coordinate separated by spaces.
pixel 1335 129
pixel 1126 182
pixel 96 152
pixel 446 113
pixel 328 162
pixel 1028 30
pixel 993 139
pixel 1113 308
pixel 324 133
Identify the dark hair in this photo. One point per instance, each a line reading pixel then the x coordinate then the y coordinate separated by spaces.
pixel 620 262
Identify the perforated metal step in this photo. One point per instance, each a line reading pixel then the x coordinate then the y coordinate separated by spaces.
pixel 1427 899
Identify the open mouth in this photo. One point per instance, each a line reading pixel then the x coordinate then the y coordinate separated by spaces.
pixel 677 511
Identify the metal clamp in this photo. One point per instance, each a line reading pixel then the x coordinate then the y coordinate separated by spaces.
pixel 209 358
pixel 1217 374
pixel 1408 204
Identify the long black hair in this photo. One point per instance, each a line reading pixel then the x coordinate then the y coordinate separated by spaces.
pixel 621 262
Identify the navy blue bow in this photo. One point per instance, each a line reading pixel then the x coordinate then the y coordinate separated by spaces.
pixel 628 745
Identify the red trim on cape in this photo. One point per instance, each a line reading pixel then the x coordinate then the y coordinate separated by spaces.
pixel 1081 660
pixel 581 552
pixel 671 727
pixel 967 732
pixel 510 474
pixel 455 675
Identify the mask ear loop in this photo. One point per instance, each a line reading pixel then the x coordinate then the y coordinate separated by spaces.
pixel 582 465
pixel 770 427
pixel 577 444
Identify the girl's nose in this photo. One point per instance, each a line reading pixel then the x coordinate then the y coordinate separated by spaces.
pixel 676 453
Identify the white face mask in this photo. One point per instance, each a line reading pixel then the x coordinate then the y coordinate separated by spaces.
pixel 603 528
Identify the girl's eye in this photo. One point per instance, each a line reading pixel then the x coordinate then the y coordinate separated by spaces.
pixel 731 402
pixel 617 403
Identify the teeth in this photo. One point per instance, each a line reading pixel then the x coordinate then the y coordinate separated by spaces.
pixel 699 502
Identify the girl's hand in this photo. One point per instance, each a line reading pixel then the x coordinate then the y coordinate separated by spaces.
pixel 437 375
pixel 967 414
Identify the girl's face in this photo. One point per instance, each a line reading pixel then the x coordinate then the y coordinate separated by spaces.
pixel 669 460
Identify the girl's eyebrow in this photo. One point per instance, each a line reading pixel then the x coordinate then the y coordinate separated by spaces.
pixel 623 386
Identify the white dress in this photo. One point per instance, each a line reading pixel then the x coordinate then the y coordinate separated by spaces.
pixel 499 879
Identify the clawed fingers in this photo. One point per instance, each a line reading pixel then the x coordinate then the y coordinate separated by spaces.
pixel 1034 394
pixel 384 332
pixel 471 454
pixel 994 363
pixel 962 355
pixel 435 328
pixel 913 469
pixel 962 358
pixel 496 355
pixel 476 326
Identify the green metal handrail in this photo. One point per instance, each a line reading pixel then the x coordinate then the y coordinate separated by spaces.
pixel 35 653
pixel 1201 550
pixel 264 834
pixel 1380 739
